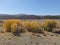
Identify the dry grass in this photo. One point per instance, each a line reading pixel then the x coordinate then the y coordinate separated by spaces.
pixel 49 25
pixel 17 26
pixel 11 25
pixel 33 26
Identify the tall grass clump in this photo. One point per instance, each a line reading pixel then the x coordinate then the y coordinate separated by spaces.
pixel 33 26
pixel 27 25
pixel 49 25
pixel 12 25
pixel 6 25
pixel 36 27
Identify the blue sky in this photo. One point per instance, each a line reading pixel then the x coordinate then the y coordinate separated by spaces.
pixel 37 7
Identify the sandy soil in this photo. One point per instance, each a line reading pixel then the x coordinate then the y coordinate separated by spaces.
pixel 28 38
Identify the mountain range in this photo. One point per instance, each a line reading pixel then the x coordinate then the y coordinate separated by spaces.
pixel 25 16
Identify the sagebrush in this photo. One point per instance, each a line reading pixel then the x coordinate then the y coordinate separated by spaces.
pixel 17 26
pixel 12 25
pixel 49 25
pixel 33 26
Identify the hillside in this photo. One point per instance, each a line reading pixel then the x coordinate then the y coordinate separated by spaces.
pixel 24 16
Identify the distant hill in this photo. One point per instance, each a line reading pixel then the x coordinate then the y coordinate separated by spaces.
pixel 24 16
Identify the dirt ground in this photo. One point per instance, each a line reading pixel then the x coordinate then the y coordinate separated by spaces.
pixel 28 38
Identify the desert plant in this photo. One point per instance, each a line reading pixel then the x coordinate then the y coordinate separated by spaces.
pixel 33 26
pixel 14 28
pixel 36 27
pixel 27 25
pixel 49 25
pixel 7 24
pixel 12 25
pixel 4 28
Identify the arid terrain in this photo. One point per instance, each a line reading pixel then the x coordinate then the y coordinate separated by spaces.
pixel 28 38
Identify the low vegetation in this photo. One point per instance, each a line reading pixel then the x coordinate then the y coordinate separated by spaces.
pixel 27 25
pixel 36 27
pixel 11 26
pixel 49 25
pixel 33 26
pixel 17 26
